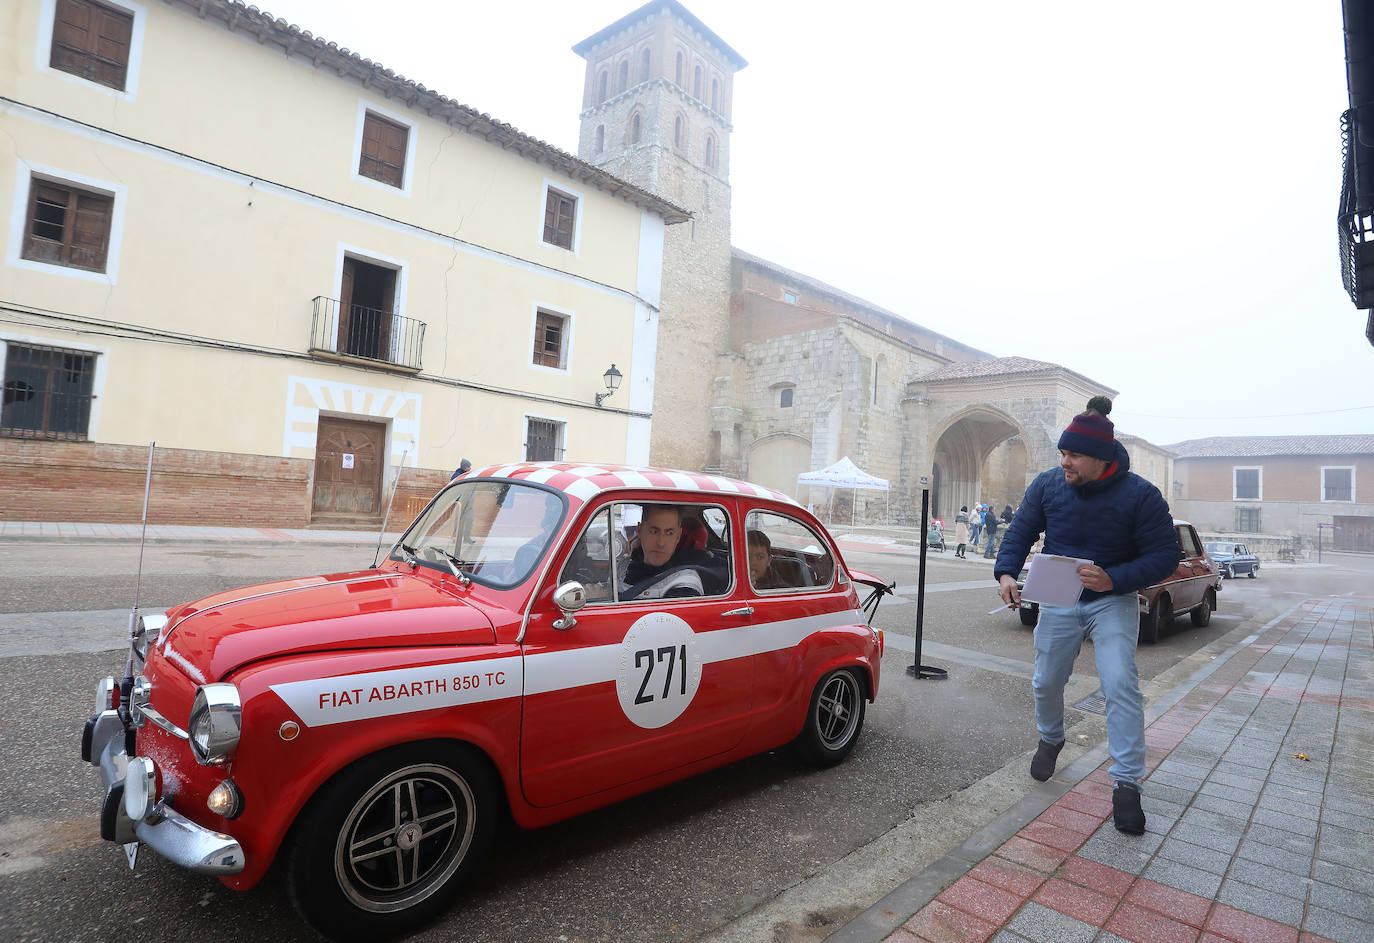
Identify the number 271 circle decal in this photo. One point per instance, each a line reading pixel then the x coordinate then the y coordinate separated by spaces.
pixel 659 671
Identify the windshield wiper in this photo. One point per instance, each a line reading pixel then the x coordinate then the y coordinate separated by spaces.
pixel 410 556
pixel 453 564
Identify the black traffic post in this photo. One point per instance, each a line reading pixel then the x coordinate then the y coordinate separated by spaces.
pixel 916 669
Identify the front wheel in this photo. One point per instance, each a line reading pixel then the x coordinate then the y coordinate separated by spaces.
pixel 1254 572
pixel 383 846
pixel 1227 573
pixel 833 719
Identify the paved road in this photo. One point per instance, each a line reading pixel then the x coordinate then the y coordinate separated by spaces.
pixel 763 849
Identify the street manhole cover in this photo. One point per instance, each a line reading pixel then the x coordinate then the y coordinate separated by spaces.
pixel 1097 702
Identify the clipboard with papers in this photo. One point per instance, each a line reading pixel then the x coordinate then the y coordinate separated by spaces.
pixel 1053 580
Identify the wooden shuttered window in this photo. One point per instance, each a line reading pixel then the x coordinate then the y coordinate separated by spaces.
pixel 559 215
pixel 92 40
pixel 67 226
pixel 549 336
pixel 384 150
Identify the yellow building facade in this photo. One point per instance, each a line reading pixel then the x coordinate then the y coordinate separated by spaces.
pixel 296 271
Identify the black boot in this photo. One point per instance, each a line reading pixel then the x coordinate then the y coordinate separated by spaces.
pixel 1042 765
pixel 1127 815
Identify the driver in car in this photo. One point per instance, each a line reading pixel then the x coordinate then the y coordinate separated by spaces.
pixel 669 570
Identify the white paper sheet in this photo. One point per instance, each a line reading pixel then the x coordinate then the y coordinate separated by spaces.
pixel 1053 580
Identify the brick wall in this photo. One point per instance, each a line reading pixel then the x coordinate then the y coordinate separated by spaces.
pixel 89 481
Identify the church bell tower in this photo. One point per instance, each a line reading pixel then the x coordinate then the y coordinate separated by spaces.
pixel 656 106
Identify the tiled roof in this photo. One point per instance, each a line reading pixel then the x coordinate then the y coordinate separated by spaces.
pixel 1002 367
pixel 1223 446
pixel 330 57
pixel 867 307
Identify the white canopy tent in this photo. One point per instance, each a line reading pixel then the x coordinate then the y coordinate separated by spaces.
pixel 845 474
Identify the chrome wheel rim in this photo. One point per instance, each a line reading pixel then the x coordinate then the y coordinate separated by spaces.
pixel 837 710
pixel 404 838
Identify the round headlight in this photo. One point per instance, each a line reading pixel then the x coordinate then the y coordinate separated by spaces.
pixel 214 725
pixel 140 787
pixel 146 630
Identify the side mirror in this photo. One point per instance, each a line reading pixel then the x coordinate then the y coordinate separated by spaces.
pixel 569 597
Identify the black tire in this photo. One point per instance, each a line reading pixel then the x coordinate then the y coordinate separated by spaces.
pixel 1202 615
pixel 1029 616
pixel 1227 573
pixel 356 869
pixel 833 719
pixel 1154 622
pixel 1254 572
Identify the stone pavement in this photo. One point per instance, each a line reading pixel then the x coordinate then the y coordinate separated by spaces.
pixel 1259 800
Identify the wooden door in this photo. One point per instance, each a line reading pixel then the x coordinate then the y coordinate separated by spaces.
pixel 349 460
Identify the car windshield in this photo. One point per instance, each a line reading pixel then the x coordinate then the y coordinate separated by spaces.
pixel 1218 548
pixel 495 532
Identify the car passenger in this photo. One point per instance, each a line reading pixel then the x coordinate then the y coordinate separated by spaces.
pixel 761 572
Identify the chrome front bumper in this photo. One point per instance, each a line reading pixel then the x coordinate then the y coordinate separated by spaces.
pixel 163 829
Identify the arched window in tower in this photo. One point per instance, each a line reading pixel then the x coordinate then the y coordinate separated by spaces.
pixel 678 73
pixel 634 128
pixel 601 87
pixel 696 84
pixel 600 138
pixel 644 66
pixel 710 153
pixel 715 94
pixel 677 131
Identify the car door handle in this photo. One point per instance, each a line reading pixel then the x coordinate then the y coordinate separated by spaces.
pixel 741 611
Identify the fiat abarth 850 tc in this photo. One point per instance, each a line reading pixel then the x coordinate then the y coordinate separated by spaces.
pixel 525 647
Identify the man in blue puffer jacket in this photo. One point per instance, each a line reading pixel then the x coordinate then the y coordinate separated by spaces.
pixel 1095 508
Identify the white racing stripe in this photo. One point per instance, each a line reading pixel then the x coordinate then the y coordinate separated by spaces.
pixel 320 702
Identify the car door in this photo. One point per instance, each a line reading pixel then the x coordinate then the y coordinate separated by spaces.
pixel 635 687
pixel 1194 572
pixel 794 598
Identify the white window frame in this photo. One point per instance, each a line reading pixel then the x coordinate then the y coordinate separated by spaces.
pixel 19 214
pixel 567 317
pixel 789 297
pixel 102 363
pixel 1321 496
pixel 412 139
pixel 47 15
pixel 1259 496
pixel 562 443
pixel 578 208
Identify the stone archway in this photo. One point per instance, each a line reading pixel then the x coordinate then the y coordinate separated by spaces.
pixel 962 452
pixel 775 461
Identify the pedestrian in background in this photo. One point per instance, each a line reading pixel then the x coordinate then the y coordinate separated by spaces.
pixel 990 524
pixel 1093 507
pixel 463 468
pixel 975 525
pixel 961 532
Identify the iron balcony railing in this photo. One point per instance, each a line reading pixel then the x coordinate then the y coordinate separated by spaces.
pixel 366 333
pixel 1355 220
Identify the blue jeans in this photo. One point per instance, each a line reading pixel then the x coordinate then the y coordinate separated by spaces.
pixel 1112 622
pixel 973 531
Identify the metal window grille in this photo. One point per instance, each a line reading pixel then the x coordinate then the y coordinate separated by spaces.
pixel 1336 485
pixel 48 392
pixel 542 441
pixel 1247 484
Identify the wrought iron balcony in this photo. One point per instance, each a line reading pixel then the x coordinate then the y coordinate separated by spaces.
pixel 1356 218
pixel 370 335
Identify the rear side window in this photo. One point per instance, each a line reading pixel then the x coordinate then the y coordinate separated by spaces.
pixel 785 555
pixel 1187 539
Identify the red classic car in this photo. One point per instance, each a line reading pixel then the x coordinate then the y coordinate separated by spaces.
pixel 1191 588
pixel 523 647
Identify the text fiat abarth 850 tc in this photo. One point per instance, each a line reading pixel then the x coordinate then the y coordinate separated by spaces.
pixel 544 639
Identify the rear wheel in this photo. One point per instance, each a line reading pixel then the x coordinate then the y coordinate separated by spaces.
pixel 1202 615
pixel 383 846
pixel 833 719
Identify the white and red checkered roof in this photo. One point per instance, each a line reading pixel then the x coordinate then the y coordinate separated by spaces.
pixel 583 482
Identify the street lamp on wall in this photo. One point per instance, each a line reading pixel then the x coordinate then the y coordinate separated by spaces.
pixel 612 378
